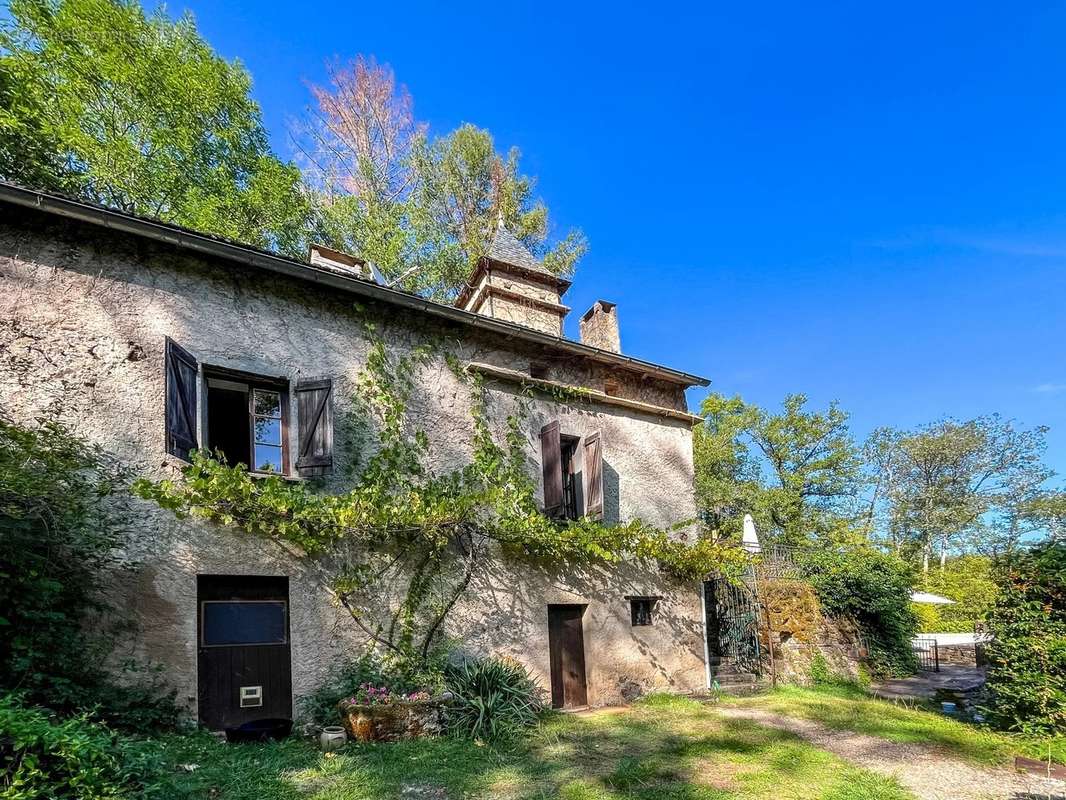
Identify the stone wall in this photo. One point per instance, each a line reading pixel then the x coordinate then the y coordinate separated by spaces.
pixel 83 317
pixel 799 633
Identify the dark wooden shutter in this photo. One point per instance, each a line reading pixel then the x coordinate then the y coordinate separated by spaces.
pixel 593 476
pixel 182 371
pixel 551 460
pixel 314 414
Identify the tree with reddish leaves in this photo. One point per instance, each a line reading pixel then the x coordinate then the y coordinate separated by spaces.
pixel 422 210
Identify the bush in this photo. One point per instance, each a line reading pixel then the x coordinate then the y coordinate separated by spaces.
pixel 873 589
pixel 820 675
pixel 389 676
pixel 42 758
pixel 1027 654
pixel 60 513
pixel 495 699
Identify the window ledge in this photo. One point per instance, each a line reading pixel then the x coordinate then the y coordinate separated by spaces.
pixel 254 473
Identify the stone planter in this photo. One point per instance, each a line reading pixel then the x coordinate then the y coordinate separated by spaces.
pixel 332 738
pixel 392 722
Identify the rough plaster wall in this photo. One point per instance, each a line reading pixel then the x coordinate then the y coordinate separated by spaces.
pixel 83 316
pixel 524 285
pixel 523 313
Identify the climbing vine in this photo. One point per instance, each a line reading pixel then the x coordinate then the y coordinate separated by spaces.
pixel 402 546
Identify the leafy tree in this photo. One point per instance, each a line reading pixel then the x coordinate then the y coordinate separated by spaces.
pixel 727 474
pixel 422 210
pixel 967 580
pixel 1027 653
pixel 794 471
pixel 138 113
pixel 963 485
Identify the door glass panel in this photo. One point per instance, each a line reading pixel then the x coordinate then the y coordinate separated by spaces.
pixel 236 623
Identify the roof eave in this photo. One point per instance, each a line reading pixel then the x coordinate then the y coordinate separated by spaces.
pixel 220 248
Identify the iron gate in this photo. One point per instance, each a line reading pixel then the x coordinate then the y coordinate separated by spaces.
pixel 928 654
pixel 733 624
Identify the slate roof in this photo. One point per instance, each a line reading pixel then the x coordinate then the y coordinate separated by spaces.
pixel 508 249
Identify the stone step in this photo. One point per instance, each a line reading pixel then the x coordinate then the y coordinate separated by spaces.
pixel 735 677
pixel 743 689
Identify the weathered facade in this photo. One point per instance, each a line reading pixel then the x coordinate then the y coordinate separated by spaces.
pixel 89 300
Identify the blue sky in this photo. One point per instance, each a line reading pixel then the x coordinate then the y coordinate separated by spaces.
pixel 865 205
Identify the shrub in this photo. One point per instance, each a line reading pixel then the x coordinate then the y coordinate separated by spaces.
pixel 873 589
pixel 1027 654
pixel 57 532
pixel 820 675
pixel 371 676
pixel 60 513
pixel 42 758
pixel 494 698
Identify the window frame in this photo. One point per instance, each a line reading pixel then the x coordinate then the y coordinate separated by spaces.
pixel 573 492
pixel 634 599
pixel 203 622
pixel 264 383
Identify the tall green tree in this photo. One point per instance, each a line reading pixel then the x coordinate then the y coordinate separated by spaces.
pixel 137 112
pixel 727 473
pixel 952 486
pixel 796 471
pixel 421 209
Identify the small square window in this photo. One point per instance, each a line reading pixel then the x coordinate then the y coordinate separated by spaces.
pixel 539 371
pixel 641 609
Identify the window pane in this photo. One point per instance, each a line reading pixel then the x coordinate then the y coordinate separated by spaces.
pixel 267 404
pixel 243 623
pixel 267 431
pixel 267 458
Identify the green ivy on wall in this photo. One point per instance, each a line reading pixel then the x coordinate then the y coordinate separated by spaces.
pixel 405 531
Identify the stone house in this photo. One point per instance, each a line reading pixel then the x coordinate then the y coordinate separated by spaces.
pixel 151 340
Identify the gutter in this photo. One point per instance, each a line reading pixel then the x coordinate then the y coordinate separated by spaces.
pixel 186 239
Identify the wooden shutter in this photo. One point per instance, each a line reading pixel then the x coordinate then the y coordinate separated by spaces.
pixel 182 371
pixel 593 476
pixel 551 460
pixel 314 414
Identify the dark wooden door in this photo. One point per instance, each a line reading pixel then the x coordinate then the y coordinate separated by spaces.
pixel 566 645
pixel 244 668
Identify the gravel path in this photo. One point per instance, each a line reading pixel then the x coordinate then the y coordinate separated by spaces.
pixel 925 771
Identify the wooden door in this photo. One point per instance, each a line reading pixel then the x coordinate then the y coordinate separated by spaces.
pixel 244 667
pixel 566 646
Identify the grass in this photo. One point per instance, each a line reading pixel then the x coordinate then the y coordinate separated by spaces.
pixel 664 748
pixel 850 708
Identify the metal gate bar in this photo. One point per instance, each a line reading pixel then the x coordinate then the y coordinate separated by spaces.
pixel 928 654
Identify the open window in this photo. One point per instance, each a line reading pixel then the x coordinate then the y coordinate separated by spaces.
pixel 247 416
pixel 565 460
pixel 247 420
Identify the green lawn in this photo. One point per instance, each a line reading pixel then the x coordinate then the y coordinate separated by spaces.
pixel 852 709
pixel 664 748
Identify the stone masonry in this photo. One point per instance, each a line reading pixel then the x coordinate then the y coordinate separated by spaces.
pixel 84 313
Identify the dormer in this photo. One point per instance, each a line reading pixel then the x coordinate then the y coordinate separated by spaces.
pixel 509 283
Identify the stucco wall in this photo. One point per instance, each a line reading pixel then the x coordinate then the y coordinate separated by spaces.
pixel 83 316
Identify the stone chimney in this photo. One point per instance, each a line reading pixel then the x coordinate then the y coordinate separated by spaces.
pixel 599 327
pixel 509 283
